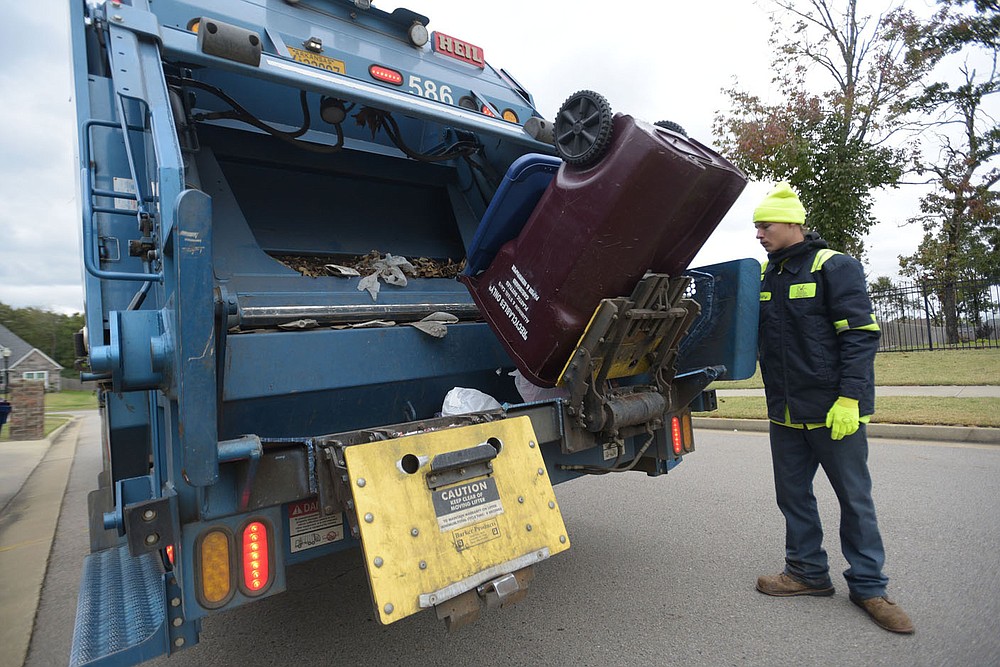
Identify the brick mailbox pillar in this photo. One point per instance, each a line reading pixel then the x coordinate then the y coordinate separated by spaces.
pixel 27 418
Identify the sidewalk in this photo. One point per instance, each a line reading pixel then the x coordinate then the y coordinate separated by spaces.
pixel 964 434
pixel 33 479
pixel 19 458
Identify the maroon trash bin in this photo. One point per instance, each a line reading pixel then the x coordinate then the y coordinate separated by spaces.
pixel 648 205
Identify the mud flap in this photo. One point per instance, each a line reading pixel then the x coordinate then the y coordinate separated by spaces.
pixel 448 512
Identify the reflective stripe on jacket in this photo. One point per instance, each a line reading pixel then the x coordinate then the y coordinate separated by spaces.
pixel 818 335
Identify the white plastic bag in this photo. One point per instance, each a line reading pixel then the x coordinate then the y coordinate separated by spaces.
pixel 532 392
pixel 462 400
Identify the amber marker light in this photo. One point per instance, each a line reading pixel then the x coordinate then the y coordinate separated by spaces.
pixel 510 116
pixel 687 432
pixel 215 568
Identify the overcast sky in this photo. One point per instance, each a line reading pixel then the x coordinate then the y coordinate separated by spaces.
pixel 663 60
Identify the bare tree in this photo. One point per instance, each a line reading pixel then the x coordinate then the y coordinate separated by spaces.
pixel 961 216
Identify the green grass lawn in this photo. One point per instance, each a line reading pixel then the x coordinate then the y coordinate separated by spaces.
pixel 64 401
pixel 937 368
pixel 888 410
pixel 52 422
pixel 67 401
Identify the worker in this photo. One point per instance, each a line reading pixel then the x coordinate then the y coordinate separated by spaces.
pixel 817 343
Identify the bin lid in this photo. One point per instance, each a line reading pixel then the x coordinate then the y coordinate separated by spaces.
pixel 511 206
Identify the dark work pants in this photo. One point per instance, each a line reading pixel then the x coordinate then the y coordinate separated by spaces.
pixel 796 455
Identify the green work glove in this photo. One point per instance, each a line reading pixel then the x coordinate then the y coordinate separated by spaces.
pixel 843 418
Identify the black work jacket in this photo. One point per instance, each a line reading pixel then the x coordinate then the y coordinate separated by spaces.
pixel 817 337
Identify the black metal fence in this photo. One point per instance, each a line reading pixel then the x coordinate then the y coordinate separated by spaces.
pixel 937 315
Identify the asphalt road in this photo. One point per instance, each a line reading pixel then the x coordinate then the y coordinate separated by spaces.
pixel 661 572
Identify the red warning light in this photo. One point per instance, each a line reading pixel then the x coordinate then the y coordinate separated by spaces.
pixel 675 433
pixel 385 74
pixel 256 560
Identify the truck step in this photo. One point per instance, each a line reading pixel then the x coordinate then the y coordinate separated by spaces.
pixel 121 610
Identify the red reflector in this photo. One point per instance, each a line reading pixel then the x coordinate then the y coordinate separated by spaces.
pixel 256 559
pixel 385 74
pixel 170 553
pixel 675 434
pixel 488 111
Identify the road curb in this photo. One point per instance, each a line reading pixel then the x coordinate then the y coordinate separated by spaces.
pixel 56 434
pixel 963 434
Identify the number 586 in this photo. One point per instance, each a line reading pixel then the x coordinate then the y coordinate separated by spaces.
pixel 430 89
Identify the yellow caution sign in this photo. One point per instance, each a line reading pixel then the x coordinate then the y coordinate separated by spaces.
pixel 446 511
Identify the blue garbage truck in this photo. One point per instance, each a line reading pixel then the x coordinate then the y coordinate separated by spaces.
pixel 346 288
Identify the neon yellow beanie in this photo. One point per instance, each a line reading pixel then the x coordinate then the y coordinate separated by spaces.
pixel 782 205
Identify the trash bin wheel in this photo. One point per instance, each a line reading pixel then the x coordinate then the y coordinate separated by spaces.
pixel 583 128
pixel 672 126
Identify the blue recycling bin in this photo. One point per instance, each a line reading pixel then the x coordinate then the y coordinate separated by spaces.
pixel 4 411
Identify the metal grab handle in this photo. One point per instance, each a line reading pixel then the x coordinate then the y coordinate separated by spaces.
pixel 88 193
pixel 460 465
pixel 481 453
pixel 89 240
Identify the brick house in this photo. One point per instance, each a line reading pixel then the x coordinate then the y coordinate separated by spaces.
pixel 27 362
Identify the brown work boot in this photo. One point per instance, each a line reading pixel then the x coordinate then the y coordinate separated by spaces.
pixel 886 614
pixel 783 586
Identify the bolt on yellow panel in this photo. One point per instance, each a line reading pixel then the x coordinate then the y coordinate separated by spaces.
pixel 425 546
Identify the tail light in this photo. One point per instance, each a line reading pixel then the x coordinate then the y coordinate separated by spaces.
pixel 215 567
pixel 225 561
pixel 170 553
pixel 380 73
pixel 256 558
pixel 676 436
